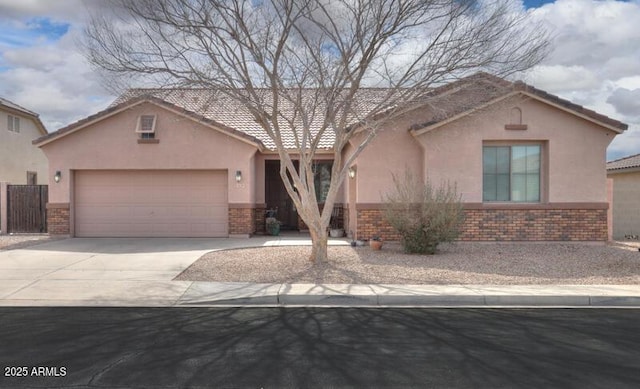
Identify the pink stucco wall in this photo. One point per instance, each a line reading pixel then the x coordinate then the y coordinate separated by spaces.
pixel 184 144
pixel 573 160
pixel 392 151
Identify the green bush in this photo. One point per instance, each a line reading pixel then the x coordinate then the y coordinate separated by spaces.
pixel 423 215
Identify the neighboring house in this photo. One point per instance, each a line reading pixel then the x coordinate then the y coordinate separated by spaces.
pixel 189 162
pixel 625 174
pixel 20 161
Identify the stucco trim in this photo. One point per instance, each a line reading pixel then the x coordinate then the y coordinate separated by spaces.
pixel 508 206
pixel 515 127
pixel 423 130
pixel 542 206
pixel 148 141
pixel 245 205
pixel 58 206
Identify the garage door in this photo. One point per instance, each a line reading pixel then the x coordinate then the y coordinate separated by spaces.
pixel 177 203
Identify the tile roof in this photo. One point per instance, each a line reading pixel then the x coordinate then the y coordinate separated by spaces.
pixel 113 108
pixel 474 91
pixel 632 161
pixel 439 104
pixel 219 107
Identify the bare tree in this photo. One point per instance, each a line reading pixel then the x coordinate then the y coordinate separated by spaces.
pixel 298 66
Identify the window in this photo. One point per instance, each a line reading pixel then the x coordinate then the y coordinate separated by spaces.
pixel 32 178
pixel 146 124
pixel 13 123
pixel 511 173
pixel 322 179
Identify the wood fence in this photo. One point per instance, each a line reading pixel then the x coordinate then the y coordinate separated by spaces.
pixel 27 208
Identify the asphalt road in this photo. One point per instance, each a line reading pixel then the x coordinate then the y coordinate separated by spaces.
pixel 319 347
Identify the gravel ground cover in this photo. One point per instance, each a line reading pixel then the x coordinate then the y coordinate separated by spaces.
pixel 458 263
pixel 11 242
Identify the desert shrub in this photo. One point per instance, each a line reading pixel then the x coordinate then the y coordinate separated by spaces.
pixel 423 215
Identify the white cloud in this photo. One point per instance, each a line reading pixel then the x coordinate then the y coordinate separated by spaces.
pixel 562 78
pixel 49 76
pixel 626 101
pixel 595 61
pixel 596 55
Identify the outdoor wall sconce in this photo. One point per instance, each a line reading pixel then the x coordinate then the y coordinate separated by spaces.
pixel 238 176
pixel 57 176
pixel 352 172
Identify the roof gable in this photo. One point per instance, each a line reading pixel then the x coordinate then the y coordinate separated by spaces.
pixel 114 109
pixel 12 107
pixel 471 94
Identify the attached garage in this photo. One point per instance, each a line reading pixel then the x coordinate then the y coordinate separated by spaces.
pixel 151 203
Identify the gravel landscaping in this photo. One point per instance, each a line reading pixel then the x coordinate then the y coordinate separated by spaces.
pixel 11 242
pixel 459 263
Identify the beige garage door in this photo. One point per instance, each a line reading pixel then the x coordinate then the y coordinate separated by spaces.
pixel 177 203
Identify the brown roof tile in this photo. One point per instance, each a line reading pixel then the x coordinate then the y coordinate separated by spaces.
pixel 632 161
pixel 220 110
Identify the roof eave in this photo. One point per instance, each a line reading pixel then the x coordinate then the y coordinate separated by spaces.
pixel 617 129
pixel 424 129
pixel 109 112
pixel 630 169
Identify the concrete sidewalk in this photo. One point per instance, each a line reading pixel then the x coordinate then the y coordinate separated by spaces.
pixel 139 272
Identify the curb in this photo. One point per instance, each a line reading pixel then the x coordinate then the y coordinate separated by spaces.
pixel 247 294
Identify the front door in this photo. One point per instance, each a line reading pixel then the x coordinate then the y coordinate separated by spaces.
pixel 277 196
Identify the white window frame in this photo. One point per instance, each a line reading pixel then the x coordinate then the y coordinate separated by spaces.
pixel 13 123
pixel 141 130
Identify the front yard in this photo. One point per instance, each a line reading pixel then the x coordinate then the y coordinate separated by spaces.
pixel 11 242
pixel 459 263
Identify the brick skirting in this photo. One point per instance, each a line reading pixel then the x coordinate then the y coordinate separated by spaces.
pixel 241 221
pixel 371 222
pixel 521 224
pixel 535 225
pixel 259 219
pixel 58 219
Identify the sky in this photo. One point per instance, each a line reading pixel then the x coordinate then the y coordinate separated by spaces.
pixel 595 60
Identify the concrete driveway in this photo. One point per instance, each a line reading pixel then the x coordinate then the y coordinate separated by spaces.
pixel 101 270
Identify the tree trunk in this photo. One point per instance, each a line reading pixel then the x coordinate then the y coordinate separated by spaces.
pixel 319 242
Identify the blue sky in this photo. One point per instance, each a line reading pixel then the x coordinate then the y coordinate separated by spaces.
pixel 32 31
pixel 595 61
pixel 536 3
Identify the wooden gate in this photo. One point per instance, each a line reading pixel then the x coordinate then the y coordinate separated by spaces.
pixel 27 208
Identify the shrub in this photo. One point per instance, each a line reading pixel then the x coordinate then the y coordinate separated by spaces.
pixel 423 215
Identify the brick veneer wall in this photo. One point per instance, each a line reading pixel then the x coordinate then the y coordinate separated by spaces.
pixel 58 219
pixel 241 220
pixel 371 222
pixel 535 225
pixel 259 219
pixel 506 225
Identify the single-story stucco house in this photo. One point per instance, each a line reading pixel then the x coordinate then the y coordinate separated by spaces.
pixel 625 174
pixel 188 162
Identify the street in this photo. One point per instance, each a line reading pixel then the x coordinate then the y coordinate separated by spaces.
pixel 319 347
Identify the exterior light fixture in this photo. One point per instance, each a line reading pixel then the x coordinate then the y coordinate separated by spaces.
pixel 352 172
pixel 238 176
pixel 57 176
